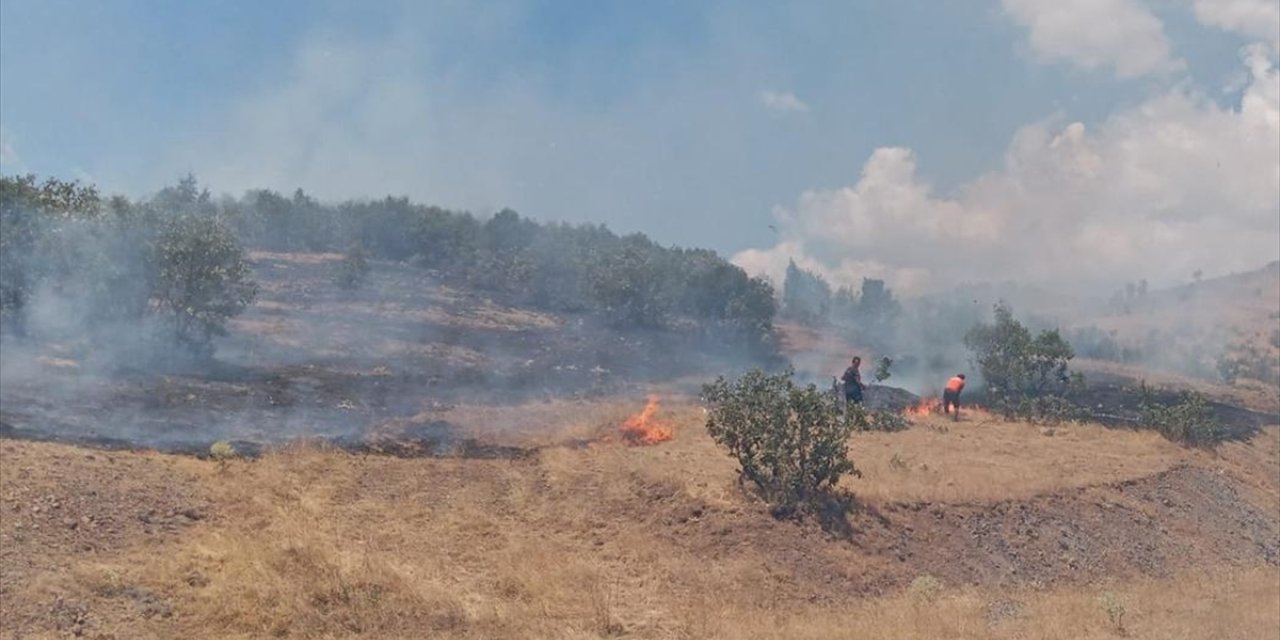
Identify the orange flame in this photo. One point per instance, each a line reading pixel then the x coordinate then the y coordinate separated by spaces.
pixel 933 406
pixel 926 407
pixel 643 428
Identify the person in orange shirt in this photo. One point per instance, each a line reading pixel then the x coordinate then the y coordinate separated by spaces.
pixel 951 395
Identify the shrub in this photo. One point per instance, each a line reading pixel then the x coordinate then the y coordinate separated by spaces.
pixel 1049 410
pixel 1229 368
pixel 1115 609
pixel 1188 421
pixel 1248 361
pixel 354 269
pixel 926 587
pixel 790 441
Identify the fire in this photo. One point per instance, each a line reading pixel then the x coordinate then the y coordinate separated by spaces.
pixel 644 428
pixel 926 407
pixel 933 406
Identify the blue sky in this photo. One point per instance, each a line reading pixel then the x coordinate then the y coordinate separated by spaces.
pixel 697 123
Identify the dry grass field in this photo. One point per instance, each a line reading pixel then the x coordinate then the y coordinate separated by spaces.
pixel 600 539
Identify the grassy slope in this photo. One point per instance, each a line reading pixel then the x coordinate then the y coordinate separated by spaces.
pixel 653 542
pixel 582 542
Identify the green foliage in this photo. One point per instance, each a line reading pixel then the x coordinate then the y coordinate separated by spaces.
pixel 629 281
pixel 1026 375
pixel 202 279
pixel 871 316
pixel 31 215
pixel 354 269
pixel 1229 368
pixel 806 297
pixel 1188 421
pixel 222 450
pixel 1245 360
pixel 790 441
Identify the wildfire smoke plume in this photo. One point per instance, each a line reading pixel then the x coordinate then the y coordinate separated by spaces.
pixel 644 428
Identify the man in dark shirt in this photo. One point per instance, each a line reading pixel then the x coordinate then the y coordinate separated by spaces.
pixel 852 380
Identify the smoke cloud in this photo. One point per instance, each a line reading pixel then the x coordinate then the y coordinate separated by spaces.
pixel 1174 184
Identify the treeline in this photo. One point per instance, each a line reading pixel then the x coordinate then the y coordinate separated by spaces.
pixel 868 314
pixel 54 230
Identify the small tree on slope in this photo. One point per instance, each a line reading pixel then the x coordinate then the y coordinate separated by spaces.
pixel 790 441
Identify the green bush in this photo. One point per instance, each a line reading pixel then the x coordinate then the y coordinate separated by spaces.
pixel 1244 360
pixel 1188 420
pixel 354 269
pixel 790 441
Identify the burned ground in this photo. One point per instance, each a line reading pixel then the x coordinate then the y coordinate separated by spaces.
pixel 310 359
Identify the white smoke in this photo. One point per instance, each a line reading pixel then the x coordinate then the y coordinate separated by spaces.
pixel 1174 184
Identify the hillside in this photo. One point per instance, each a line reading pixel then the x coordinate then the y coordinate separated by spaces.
pixel 308 358
pixel 417 458
pixel 1022 531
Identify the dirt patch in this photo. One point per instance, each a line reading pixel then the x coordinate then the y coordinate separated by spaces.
pixel 60 506
pixel 1153 526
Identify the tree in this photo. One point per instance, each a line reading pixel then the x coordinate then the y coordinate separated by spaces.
pixel 872 316
pixel 790 441
pixel 805 295
pixel 1020 368
pixel 32 218
pixel 202 279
